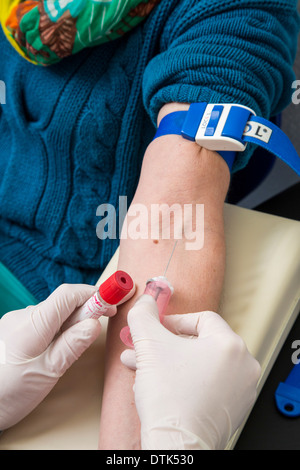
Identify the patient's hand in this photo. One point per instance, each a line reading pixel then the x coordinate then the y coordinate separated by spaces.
pixel 175 171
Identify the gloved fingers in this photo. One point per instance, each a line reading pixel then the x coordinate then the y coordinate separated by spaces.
pixel 48 316
pixel 128 358
pixel 143 319
pixel 211 323
pixel 70 345
pixel 185 324
pixel 200 324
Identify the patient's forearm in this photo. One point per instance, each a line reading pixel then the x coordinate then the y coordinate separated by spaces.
pixel 174 171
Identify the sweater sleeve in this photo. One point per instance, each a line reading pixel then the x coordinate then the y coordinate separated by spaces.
pixel 233 51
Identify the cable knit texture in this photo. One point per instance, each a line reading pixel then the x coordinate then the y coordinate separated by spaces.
pixel 73 136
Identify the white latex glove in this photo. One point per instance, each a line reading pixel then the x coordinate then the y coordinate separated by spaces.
pixel 36 353
pixel 191 392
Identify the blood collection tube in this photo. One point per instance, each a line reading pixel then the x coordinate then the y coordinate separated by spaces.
pixel 105 300
pixel 161 290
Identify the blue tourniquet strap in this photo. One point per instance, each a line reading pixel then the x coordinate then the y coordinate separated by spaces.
pixel 279 144
pixel 227 129
pixel 173 124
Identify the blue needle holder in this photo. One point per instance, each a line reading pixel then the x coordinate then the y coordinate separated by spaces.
pixel 287 395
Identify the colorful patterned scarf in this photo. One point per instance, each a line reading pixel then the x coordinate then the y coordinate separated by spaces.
pixel 46 31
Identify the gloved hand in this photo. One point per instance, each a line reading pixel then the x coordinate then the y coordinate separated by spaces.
pixel 192 391
pixel 37 354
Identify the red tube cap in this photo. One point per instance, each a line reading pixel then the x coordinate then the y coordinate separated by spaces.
pixel 116 287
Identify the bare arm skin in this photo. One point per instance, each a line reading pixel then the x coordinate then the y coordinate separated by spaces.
pixel 174 171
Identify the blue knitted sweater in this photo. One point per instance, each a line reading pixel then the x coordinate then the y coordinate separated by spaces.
pixel 73 136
